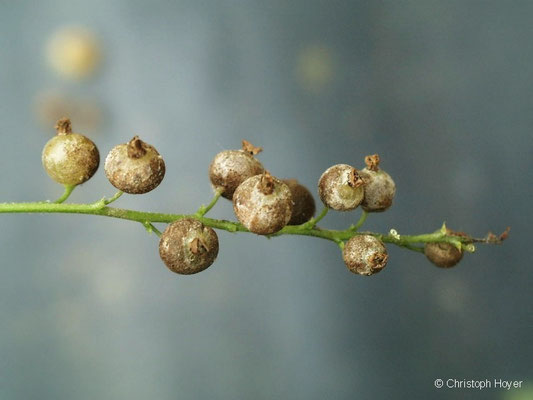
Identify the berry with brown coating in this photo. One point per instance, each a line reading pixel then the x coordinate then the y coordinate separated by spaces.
pixel 187 246
pixel 134 167
pixel 303 207
pixel 70 158
pixel 341 188
pixel 379 186
pixel 365 255
pixel 263 204
pixel 443 255
pixel 230 168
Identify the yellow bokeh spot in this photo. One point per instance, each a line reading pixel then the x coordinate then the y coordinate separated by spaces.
pixel 315 67
pixel 73 52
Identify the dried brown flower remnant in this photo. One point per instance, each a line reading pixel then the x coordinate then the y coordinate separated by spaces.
pixel 188 247
pixel 134 167
pixel 250 148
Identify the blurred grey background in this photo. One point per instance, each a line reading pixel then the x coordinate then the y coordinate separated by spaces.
pixel 442 90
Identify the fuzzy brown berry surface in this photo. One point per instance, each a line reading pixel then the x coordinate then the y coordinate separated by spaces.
pixel 443 255
pixel 379 186
pixel 263 204
pixel 341 188
pixel 134 167
pixel 230 168
pixel 365 255
pixel 187 246
pixel 303 207
pixel 70 158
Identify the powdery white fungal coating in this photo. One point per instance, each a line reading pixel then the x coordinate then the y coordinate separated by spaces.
pixel 303 207
pixel 263 204
pixel 70 158
pixel 365 255
pixel 341 188
pixel 379 190
pixel 443 255
pixel 230 168
pixel 134 167
pixel 187 246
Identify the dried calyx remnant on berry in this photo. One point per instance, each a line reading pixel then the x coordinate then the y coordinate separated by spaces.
pixel 134 167
pixel 303 207
pixel 263 204
pixel 341 188
pixel 365 255
pixel 187 246
pixel 379 186
pixel 70 158
pixel 230 168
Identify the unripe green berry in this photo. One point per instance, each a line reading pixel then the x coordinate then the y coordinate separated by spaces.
pixel 230 168
pixel 443 254
pixel 187 246
pixel 70 158
pixel 341 188
pixel 303 207
pixel 379 186
pixel 365 255
pixel 134 167
pixel 263 204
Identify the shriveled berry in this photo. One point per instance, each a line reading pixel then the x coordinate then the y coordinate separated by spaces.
pixel 70 158
pixel 303 207
pixel 187 246
pixel 365 255
pixel 230 168
pixel 134 167
pixel 443 255
pixel 263 204
pixel 379 186
pixel 341 188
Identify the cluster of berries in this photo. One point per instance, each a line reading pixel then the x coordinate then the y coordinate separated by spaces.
pixel 262 203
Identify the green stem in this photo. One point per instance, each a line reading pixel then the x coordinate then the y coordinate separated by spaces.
pixel 205 209
pixel 361 221
pixel 66 193
pixel 313 221
pixel 411 242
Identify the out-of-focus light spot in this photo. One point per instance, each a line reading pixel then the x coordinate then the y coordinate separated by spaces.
pixel 114 283
pixel 49 106
pixel 451 294
pixel 315 67
pixel 73 52
pixel 525 392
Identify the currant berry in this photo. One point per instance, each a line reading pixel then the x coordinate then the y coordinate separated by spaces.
pixel 134 167
pixel 303 207
pixel 187 246
pixel 443 255
pixel 70 158
pixel 341 188
pixel 379 186
pixel 230 168
pixel 365 255
pixel 263 204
